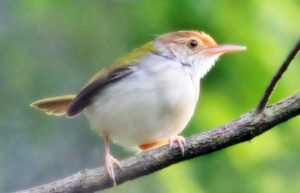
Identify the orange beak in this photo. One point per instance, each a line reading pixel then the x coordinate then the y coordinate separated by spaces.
pixel 220 49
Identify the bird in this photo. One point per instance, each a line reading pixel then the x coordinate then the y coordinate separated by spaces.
pixel 147 97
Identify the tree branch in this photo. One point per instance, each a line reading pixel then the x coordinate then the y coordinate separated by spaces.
pixel 263 103
pixel 242 129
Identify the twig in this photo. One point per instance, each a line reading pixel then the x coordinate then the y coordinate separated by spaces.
pixel 263 103
pixel 242 129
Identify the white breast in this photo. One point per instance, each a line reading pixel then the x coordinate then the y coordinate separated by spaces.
pixel 153 103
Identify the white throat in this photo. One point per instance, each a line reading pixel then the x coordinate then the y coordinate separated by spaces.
pixel 203 64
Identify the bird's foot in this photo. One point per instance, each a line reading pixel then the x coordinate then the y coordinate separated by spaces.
pixel 180 140
pixel 110 162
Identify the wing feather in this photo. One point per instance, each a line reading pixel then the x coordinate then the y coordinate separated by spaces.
pixel 84 98
pixel 122 68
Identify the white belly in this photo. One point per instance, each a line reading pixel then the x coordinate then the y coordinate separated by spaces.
pixel 149 105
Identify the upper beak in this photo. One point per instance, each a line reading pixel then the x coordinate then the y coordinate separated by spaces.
pixel 220 49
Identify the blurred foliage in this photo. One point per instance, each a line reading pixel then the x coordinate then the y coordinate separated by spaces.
pixel 51 48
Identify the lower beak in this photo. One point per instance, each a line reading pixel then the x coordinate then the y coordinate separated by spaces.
pixel 220 49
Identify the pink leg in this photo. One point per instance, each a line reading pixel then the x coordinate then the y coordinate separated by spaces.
pixel 110 160
pixel 180 140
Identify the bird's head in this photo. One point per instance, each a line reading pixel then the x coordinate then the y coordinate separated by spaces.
pixel 193 48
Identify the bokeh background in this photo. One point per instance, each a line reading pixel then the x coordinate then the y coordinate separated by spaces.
pixel 51 48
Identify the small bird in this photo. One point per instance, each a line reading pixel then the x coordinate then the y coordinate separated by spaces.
pixel 147 97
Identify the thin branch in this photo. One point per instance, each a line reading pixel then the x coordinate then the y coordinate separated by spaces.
pixel 263 103
pixel 242 129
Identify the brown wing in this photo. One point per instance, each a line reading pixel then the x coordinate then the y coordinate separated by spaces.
pixel 123 67
pixel 84 98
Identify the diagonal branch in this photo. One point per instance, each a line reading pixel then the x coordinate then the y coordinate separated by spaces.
pixel 263 103
pixel 242 129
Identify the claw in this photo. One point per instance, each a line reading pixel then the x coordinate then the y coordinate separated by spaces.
pixel 180 140
pixel 110 162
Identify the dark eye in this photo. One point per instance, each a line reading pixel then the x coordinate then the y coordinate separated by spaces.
pixel 193 44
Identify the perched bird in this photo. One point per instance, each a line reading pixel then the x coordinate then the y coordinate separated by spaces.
pixel 147 97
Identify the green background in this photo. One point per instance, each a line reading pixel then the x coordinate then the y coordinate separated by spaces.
pixel 51 48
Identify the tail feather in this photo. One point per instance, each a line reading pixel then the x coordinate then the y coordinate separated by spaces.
pixel 54 106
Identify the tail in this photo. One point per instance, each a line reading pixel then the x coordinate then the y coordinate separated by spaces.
pixel 54 106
